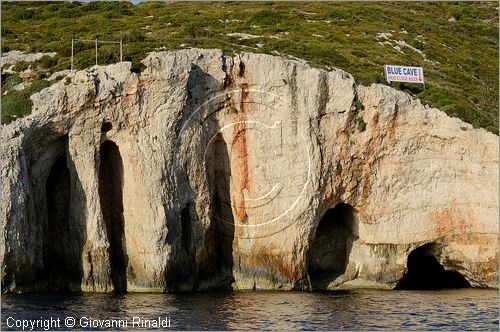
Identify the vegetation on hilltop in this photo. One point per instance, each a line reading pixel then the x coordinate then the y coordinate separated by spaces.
pixel 456 43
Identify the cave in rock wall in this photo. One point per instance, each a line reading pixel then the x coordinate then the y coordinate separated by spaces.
pixel 111 199
pixel 426 273
pixel 61 244
pixel 331 246
pixel 221 231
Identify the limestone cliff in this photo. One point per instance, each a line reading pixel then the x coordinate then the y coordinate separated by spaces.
pixel 247 172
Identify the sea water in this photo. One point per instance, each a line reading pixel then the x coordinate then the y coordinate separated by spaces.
pixel 460 309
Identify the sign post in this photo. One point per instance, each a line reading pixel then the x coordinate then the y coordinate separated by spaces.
pixel 404 74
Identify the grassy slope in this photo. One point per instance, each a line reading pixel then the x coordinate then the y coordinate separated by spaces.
pixel 461 71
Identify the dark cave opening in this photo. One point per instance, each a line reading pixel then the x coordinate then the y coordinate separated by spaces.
pixel 60 259
pixel 111 199
pixel 184 264
pixel 426 273
pixel 186 228
pixel 106 126
pixel 221 231
pixel 329 252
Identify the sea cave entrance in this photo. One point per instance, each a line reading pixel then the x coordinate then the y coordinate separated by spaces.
pixel 426 273
pixel 221 231
pixel 331 246
pixel 61 268
pixel 111 199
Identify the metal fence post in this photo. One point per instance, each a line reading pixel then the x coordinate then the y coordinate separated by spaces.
pixel 96 42
pixel 96 51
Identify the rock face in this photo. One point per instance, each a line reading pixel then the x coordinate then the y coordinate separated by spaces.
pixel 246 172
pixel 12 57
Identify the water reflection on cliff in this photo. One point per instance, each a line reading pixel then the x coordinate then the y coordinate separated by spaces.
pixel 469 309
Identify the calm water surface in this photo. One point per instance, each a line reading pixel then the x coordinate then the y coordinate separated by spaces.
pixel 467 309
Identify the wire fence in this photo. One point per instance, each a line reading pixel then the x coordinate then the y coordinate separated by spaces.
pixel 97 42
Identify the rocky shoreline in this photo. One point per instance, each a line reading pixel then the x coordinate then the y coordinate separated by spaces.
pixel 209 171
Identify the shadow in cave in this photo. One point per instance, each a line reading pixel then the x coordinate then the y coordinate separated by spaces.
pixel 202 262
pixel 62 263
pixel 111 199
pixel 183 266
pixel 330 249
pixel 425 272
pixel 187 215
pixel 221 232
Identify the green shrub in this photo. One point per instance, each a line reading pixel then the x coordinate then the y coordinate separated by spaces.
pixel 6 33
pixel 118 12
pixel 16 104
pixel 91 6
pixel 196 30
pixel 338 14
pixel 68 13
pixel 267 17
pixel 24 14
pixel 21 66
pixel 36 86
pixel 134 36
pixel 10 81
pixel 46 62
pixel 361 125
pixel 413 89
pixel 358 105
pixel 464 83
pixel 85 59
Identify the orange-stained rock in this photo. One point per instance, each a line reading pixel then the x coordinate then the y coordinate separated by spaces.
pixel 228 165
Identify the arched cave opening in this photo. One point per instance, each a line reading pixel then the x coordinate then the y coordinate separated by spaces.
pixel 106 126
pixel 60 257
pixel 426 273
pixel 182 265
pixel 111 199
pixel 221 231
pixel 330 249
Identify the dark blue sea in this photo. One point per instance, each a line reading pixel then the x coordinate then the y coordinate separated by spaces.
pixel 462 309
